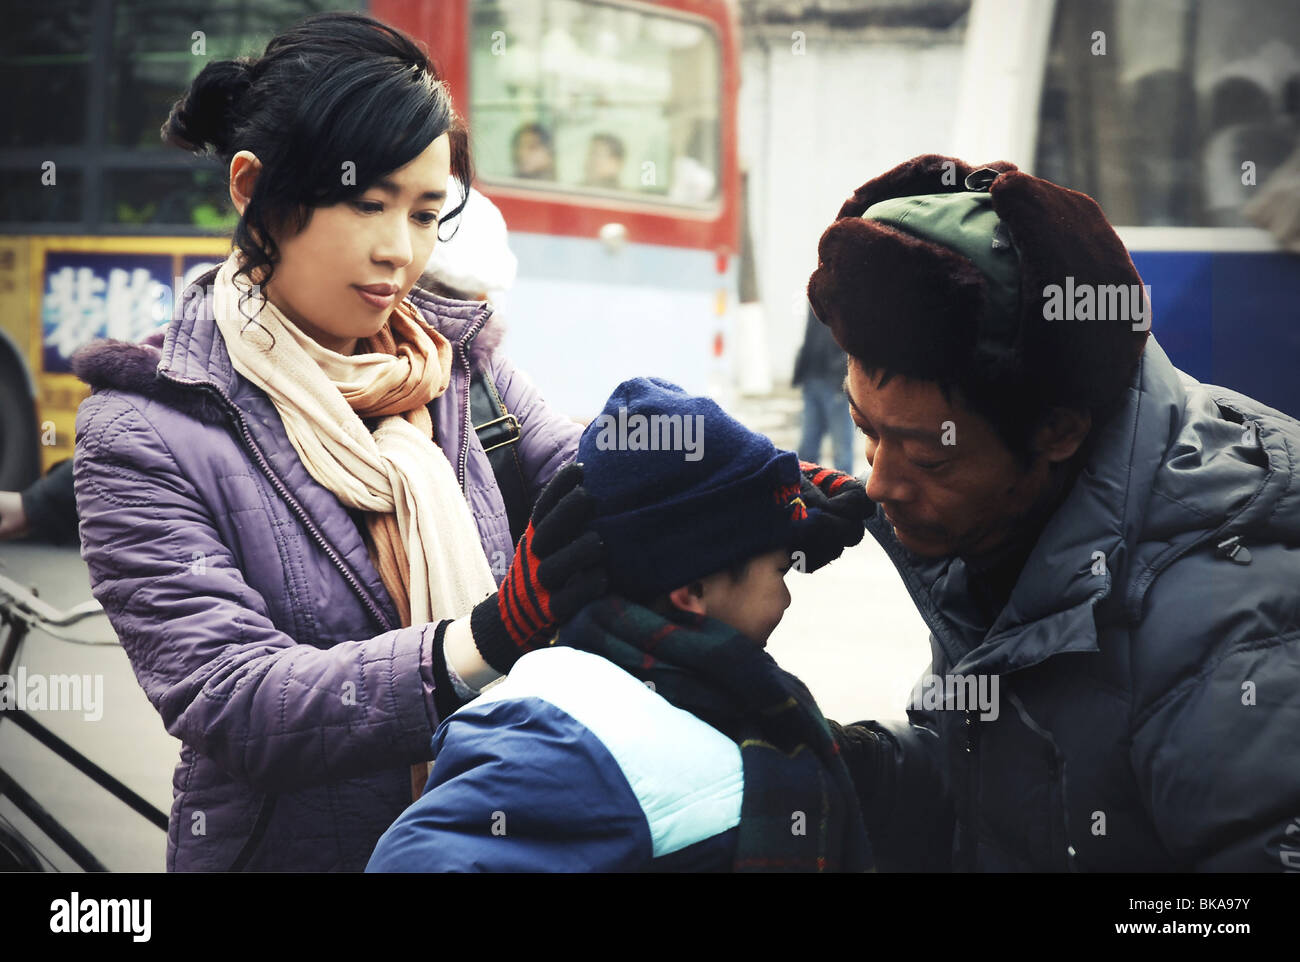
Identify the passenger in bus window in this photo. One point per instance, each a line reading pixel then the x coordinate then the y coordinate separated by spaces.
pixel 533 153
pixel 1166 188
pixel 1277 206
pixel 1242 127
pixel 286 514
pixel 693 182
pixel 604 168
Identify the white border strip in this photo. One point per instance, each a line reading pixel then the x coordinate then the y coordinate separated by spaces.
pixel 1209 239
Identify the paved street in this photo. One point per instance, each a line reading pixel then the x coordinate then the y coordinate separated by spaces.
pixel 128 740
pixel 854 637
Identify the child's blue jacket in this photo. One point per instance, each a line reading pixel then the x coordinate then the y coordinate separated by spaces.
pixel 571 765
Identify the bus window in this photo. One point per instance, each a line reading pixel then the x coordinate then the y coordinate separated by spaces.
pixel 594 97
pixel 1170 114
pixel 23 198
pixel 108 72
pixel 45 48
pixel 193 197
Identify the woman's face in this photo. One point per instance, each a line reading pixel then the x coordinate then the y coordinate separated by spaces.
pixel 342 275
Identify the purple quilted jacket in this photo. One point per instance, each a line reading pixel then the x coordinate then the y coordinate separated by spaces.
pixel 246 599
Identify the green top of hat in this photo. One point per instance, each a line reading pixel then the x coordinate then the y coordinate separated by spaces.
pixel 966 224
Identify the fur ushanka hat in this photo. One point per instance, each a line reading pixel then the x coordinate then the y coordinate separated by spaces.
pixel 940 271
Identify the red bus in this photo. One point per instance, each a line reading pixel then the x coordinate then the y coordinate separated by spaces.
pixel 627 239
pixel 604 130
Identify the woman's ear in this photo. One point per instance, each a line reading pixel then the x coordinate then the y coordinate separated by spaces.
pixel 689 598
pixel 244 168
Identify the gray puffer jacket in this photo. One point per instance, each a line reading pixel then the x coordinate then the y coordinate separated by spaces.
pixel 1148 716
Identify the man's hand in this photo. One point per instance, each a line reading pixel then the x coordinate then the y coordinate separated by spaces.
pixel 559 566
pixel 13 520
pixel 837 506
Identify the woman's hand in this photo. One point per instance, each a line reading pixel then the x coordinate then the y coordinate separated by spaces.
pixel 837 506
pixel 559 566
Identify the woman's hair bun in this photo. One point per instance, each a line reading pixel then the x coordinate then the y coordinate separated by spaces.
pixel 206 116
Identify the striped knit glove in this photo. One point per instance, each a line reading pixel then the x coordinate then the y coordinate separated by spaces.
pixel 558 567
pixel 837 506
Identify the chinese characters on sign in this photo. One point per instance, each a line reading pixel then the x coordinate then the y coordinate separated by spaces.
pixel 122 296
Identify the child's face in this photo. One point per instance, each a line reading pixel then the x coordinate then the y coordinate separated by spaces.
pixel 754 604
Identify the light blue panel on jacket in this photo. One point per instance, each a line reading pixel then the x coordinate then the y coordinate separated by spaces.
pixel 686 774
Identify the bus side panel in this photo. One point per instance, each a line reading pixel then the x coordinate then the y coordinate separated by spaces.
pixel 581 318
pixel 1230 318
pixel 1256 311
pixel 83 288
pixel 15 300
pixel 1180 300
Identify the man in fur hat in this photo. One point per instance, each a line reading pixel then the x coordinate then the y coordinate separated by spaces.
pixel 1108 548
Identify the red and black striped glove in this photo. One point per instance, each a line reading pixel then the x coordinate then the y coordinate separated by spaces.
pixel 559 566
pixel 837 506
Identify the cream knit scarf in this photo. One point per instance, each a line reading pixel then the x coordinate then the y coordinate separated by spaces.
pixel 423 537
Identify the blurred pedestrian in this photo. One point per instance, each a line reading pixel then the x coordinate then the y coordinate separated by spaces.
pixel 819 371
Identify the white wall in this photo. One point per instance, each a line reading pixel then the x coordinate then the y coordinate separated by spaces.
pixel 816 125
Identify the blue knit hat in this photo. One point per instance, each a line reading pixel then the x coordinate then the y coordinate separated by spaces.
pixel 683 489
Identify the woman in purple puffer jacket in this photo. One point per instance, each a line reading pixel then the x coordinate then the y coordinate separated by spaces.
pixel 287 515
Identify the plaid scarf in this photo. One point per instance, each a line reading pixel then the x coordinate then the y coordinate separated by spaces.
pixel 799 812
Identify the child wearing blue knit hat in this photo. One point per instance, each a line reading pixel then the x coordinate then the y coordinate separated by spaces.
pixel 695 510
pixel 656 734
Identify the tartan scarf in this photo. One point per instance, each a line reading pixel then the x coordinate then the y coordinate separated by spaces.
pixel 799 812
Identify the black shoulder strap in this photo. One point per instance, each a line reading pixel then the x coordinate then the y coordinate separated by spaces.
pixel 499 431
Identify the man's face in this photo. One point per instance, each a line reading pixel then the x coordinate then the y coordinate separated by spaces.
pixel 965 497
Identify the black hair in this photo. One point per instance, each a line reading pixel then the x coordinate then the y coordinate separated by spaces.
pixel 335 89
pixel 1014 415
pixel 1238 100
pixel 736 571
pixel 662 604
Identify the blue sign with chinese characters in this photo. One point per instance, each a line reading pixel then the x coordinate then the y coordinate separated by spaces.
pixel 89 295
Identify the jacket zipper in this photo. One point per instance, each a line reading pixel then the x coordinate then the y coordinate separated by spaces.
pixel 463 347
pixel 972 786
pixel 1056 771
pixel 352 580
